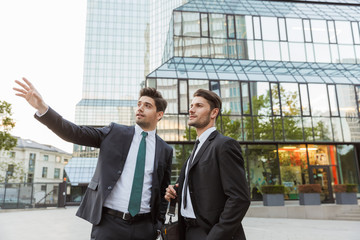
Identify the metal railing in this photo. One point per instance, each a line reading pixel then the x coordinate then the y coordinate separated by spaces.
pixel 31 195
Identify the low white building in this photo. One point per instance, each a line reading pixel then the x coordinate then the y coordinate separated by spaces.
pixel 31 162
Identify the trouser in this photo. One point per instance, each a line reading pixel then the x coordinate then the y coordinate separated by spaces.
pixel 193 230
pixel 115 228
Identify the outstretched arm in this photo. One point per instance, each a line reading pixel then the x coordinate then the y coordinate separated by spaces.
pixel 31 95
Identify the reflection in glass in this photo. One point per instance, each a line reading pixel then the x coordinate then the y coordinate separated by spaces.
pixel 278 128
pixel 195 85
pixel 310 52
pixel 293 129
pixel 284 51
pixel 343 32
pixel 243 27
pixel 168 128
pixel 308 129
pixel 272 51
pixel 293 168
pixel 347 100
pixel 217 25
pixel 319 31
pixel 356 32
pixel 231 26
pixel 331 31
pixel 294 30
pixel 346 163
pixel 337 130
pixel 230 96
pixel 260 98
pixel 322 53
pixel 205 47
pixel 168 89
pixel 204 25
pixel 259 51
pixel 245 98
pixel 333 100
pixel 191 47
pixel 269 28
pixel 275 99
pixel 263 166
pixel 215 87
pixel 290 101
pixel 191 24
pixel 307 30
pixel 322 129
pixel 347 53
pixel 248 129
pixel 257 28
pixel 351 129
pixel 177 24
pixel 183 96
pixel 218 47
pixel 319 100
pixel 282 29
pixel 334 53
pixel 263 128
pixel 231 126
pixel 297 52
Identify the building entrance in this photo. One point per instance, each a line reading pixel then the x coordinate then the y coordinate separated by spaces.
pixel 321 175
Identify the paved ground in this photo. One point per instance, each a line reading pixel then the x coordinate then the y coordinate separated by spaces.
pixel 62 224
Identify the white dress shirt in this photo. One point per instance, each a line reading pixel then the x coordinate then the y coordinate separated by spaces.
pixel 119 197
pixel 189 210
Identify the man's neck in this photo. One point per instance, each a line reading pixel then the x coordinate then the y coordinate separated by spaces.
pixel 200 131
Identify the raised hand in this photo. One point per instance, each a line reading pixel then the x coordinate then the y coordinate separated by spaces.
pixel 31 95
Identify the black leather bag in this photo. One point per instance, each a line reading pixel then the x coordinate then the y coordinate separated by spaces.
pixel 170 230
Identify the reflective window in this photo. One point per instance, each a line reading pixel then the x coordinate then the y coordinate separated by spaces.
pixel 231 126
pixel 263 128
pixel 333 100
pixel 358 97
pixel 322 53
pixel 290 99
pixel 248 129
pixel 168 89
pixel 230 96
pixel 297 52
pixel 322 129
pixel 204 25
pixel 263 165
pixel 269 28
pixel 293 129
pixel 217 25
pixel 272 51
pixel 278 128
pixel 282 29
pixel 347 100
pixel 319 31
pixel 257 28
pixel 343 32
pixel 293 168
pixel 319 100
pixel 183 97
pixel 294 30
pixel 307 30
pixel 275 99
pixel 215 87
pixel 356 32
pixel 347 53
pixel 191 24
pixel 260 95
pixel 337 129
pixel 191 47
pixel 244 29
pixel 310 52
pixel 245 98
pixel 177 24
pixel 230 26
pixel 195 85
pixel 331 31
pixel 347 166
pixel 308 129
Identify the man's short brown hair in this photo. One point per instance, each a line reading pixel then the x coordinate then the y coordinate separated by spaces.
pixel 160 102
pixel 212 98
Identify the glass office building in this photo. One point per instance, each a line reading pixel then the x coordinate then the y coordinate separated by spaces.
pixel 289 78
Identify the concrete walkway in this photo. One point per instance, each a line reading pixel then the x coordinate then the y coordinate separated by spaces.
pixel 62 224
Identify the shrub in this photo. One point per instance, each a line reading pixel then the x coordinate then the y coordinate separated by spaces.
pixel 273 189
pixel 349 188
pixel 310 188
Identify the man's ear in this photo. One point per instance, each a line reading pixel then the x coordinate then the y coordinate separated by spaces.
pixel 159 115
pixel 214 113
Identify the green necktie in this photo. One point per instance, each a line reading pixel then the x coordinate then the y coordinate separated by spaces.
pixel 137 186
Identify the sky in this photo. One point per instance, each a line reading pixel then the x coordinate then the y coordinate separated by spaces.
pixel 44 41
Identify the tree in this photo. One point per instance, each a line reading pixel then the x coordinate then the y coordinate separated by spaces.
pixel 7 142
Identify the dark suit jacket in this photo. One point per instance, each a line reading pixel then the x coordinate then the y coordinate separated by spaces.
pixel 218 188
pixel 114 142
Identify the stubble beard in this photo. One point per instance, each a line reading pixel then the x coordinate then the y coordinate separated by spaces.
pixel 200 124
pixel 143 125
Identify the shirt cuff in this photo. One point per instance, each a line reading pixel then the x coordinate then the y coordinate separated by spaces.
pixel 40 115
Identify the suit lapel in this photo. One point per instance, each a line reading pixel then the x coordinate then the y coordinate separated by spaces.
pixel 203 148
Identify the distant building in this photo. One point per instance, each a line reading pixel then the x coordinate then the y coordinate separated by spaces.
pixel 32 162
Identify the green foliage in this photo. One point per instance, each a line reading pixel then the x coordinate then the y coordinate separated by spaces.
pixel 7 142
pixel 273 189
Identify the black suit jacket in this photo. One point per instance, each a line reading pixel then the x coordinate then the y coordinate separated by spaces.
pixel 218 188
pixel 114 142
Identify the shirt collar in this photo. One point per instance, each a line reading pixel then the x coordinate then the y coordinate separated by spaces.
pixel 139 130
pixel 206 134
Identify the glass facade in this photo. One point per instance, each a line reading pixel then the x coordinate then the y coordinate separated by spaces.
pixel 288 76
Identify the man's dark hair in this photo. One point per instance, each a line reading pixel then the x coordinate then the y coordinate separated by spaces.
pixel 160 102
pixel 212 98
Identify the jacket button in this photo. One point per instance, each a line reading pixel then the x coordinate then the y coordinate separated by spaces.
pixel 109 187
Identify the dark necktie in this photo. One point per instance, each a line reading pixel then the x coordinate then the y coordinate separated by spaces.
pixel 187 172
pixel 138 181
